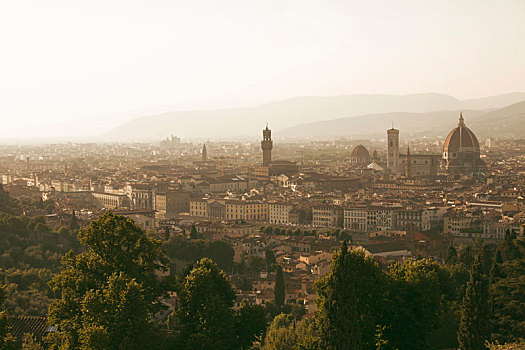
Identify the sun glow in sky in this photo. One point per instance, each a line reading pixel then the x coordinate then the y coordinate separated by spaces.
pixel 73 67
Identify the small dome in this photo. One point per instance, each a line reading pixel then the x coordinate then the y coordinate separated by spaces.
pixel 360 151
pixel 360 155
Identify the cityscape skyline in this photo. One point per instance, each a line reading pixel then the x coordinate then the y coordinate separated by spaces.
pixel 74 69
pixel 280 174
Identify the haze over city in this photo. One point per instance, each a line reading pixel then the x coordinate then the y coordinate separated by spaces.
pixel 75 70
pixel 262 175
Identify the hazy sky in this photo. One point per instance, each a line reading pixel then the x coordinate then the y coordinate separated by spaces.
pixel 67 65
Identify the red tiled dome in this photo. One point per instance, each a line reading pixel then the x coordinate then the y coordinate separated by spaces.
pixel 360 151
pixel 461 152
pixel 462 138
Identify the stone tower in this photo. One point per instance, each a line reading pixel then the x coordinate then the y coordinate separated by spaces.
pixel 408 163
pixel 392 156
pixel 204 153
pixel 267 145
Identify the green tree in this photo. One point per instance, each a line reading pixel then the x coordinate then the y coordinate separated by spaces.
pixel 349 301
pixel 30 343
pixel 466 257
pixel 269 256
pixel 509 346
pixel 49 206
pixel 452 255
pixel 7 341
pixel 191 250
pixel 307 335
pixel 220 252
pixel 281 334
pixel 41 228
pixel 414 303
pixel 255 264
pixel 486 258
pixel 285 333
pixel 193 232
pixel 250 324
pixel 508 249
pixel 279 289
pixel 5 201
pixel 298 310
pixel 305 216
pixel 268 230
pixel 73 224
pixel 473 327
pixel 245 284
pixel 205 313
pixel 496 271
pixel 115 315
pixel 507 291
pixel 113 278
pixel 63 231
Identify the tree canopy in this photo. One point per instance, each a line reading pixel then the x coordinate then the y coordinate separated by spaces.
pixel 110 291
pixel 349 301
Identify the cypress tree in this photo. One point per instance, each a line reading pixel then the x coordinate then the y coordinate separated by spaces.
pixel 466 257
pixel 486 258
pixel 73 224
pixel 452 256
pixel 473 326
pixel 269 256
pixel 193 232
pixel 279 290
pixel 509 250
pixel 496 271
pixel 350 301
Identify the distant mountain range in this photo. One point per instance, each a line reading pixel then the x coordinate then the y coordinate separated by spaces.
pixel 502 122
pixel 347 115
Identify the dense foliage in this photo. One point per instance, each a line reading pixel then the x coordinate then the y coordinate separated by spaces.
pixel 192 250
pixel 110 291
pixel 30 253
pixel 473 328
pixel 205 315
pixel 7 341
pixel 349 301
pixel 507 290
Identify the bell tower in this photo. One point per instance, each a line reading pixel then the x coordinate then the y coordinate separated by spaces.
pixel 392 155
pixel 204 153
pixel 408 163
pixel 267 145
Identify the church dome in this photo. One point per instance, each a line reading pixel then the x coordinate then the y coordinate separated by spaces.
pixel 461 153
pixel 360 155
pixel 461 138
pixel 360 151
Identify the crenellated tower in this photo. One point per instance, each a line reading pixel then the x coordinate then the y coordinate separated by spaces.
pixel 267 145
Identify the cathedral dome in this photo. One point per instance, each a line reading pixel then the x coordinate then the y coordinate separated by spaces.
pixel 461 151
pixel 461 138
pixel 360 155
